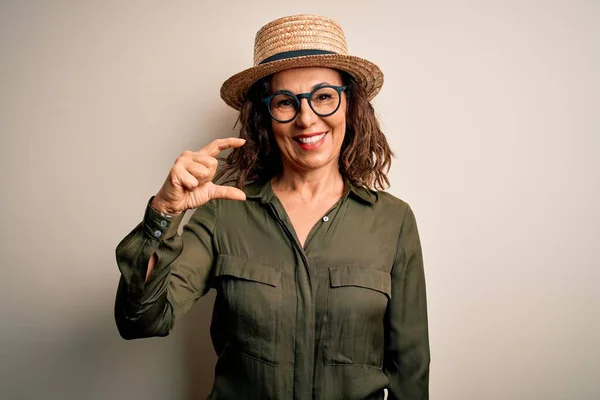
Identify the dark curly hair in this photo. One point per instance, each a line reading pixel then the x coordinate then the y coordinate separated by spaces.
pixel 365 156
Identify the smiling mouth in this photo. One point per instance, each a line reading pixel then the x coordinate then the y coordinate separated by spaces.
pixel 310 139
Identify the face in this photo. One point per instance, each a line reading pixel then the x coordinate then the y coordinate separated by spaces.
pixel 309 142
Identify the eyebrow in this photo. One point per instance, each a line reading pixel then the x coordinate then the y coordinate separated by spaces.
pixel 313 88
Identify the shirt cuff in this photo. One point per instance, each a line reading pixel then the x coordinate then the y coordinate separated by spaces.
pixel 160 226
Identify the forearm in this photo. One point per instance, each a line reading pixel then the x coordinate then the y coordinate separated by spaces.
pixel 135 320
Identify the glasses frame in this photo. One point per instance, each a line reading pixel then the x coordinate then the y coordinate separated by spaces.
pixel 298 98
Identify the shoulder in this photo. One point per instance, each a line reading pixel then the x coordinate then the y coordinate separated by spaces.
pixel 402 211
pixel 387 199
pixel 396 208
pixel 387 202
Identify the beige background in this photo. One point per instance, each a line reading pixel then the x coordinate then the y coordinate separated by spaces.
pixel 492 108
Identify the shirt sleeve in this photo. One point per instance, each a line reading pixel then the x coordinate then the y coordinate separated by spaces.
pixel 180 276
pixel 406 361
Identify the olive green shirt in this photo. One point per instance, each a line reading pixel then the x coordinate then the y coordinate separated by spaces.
pixel 343 317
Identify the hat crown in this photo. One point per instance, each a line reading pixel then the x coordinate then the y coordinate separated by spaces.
pixel 299 32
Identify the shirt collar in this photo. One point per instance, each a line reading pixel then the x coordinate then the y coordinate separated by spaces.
pixel 259 190
pixel 361 192
pixel 264 192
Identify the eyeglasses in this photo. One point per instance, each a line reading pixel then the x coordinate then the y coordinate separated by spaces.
pixel 324 100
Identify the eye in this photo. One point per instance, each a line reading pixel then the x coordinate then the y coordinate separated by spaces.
pixel 284 103
pixel 323 96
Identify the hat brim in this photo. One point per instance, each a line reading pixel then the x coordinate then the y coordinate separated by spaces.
pixel 367 74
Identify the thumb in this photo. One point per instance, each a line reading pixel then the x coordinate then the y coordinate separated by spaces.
pixel 228 192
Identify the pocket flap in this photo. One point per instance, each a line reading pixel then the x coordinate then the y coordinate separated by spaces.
pixel 242 268
pixel 362 277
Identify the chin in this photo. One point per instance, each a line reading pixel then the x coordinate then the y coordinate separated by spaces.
pixel 314 163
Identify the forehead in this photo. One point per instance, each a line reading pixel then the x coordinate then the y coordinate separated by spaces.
pixel 303 79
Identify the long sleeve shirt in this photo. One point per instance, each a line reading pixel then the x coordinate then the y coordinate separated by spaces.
pixel 342 317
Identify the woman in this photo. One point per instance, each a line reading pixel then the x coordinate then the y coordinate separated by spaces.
pixel 319 277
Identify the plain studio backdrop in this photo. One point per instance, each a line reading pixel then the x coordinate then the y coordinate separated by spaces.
pixel 492 109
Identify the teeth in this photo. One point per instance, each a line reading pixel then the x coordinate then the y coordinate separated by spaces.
pixel 312 139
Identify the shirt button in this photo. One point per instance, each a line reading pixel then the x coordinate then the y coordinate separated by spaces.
pixel 325 218
pixel 163 223
pixel 157 233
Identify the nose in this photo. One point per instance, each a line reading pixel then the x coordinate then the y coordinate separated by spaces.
pixel 306 116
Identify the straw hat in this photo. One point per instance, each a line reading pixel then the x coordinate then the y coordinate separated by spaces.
pixel 300 41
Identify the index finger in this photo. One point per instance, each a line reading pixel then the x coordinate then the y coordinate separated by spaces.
pixel 217 146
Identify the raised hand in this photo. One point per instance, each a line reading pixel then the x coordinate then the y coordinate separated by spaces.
pixel 189 184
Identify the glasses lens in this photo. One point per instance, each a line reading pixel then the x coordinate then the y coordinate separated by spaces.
pixel 283 107
pixel 325 100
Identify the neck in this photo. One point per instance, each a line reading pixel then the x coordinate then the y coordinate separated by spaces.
pixel 309 185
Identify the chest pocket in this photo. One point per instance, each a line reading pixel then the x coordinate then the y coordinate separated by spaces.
pixel 356 305
pixel 248 306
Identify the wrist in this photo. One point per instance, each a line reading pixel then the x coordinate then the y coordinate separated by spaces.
pixel 162 207
pixel 158 223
